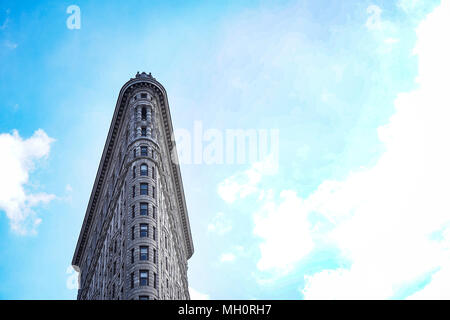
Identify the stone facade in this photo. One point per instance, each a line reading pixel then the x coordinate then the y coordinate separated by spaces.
pixel 135 240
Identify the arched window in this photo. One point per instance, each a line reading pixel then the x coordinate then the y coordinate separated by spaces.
pixel 144 170
pixel 144 113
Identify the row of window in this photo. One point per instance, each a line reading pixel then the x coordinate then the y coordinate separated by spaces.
pixel 143 210
pixel 143 254
pixel 144 151
pixel 143 190
pixel 143 279
pixel 143 231
pixel 143 168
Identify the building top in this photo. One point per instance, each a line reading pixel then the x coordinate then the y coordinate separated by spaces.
pixel 141 80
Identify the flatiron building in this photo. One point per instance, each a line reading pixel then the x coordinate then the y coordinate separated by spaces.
pixel 135 240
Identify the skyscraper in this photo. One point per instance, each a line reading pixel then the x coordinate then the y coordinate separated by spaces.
pixel 135 240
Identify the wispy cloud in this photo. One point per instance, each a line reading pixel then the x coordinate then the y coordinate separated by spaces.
pixel 227 257
pixel 243 184
pixel 220 224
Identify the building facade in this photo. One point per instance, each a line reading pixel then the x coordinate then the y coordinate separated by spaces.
pixel 135 239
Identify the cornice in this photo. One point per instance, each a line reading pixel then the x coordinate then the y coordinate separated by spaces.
pixel 142 80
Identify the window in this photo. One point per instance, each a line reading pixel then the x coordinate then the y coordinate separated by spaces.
pixel 134 153
pixel 143 253
pixel 133 191
pixel 134 172
pixel 144 189
pixel 132 233
pixel 153 172
pixel 144 151
pixel 132 255
pixel 144 209
pixel 143 230
pixel 154 280
pixel 132 211
pixel 154 233
pixel 144 298
pixel 154 255
pixel 143 96
pixel 144 113
pixel 144 170
pixel 167 264
pixel 154 212
pixel 153 192
pixel 132 280
pixel 143 277
pixel 144 131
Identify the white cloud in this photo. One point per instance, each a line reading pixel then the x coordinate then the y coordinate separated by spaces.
pixel 195 295
pixel 227 257
pixel 246 183
pixel 17 160
pixel 384 215
pixel 284 228
pixel 381 217
pixel 220 224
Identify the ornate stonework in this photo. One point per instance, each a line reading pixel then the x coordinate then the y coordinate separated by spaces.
pixel 135 240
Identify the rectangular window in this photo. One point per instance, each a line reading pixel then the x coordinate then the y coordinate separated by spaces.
pixel 154 255
pixel 153 192
pixel 144 189
pixel 133 191
pixel 144 298
pixel 132 212
pixel 154 212
pixel 132 255
pixel 144 151
pixel 144 131
pixel 132 233
pixel 154 233
pixel 143 277
pixel 154 280
pixel 134 153
pixel 143 227
pixel 134 172
pixel 144 209
pixel 143 253
pixel 132 280
pixel 153 172
pixel 143 96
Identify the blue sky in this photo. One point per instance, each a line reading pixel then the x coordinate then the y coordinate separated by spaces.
pixel 357 205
